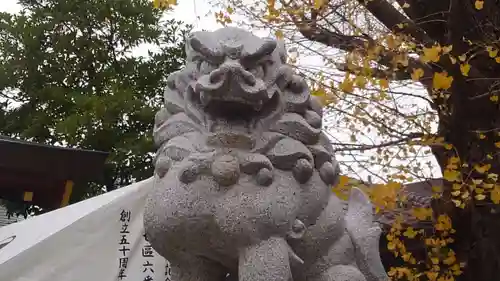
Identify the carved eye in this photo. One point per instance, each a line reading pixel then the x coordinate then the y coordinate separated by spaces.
pixel 205 67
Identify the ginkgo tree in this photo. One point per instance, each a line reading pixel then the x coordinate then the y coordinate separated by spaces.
pixel 404 78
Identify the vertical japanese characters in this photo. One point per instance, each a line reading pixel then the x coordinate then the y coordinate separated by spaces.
pixel 148 256
pixel 124 244
pixel 168 272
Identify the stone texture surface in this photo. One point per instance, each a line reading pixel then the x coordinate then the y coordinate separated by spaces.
pixel 244 173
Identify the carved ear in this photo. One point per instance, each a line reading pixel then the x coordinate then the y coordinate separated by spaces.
pixel 266 48
pixel 194 43
pixel 198 46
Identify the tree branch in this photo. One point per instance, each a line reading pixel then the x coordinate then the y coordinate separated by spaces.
pixel 362 147
pixel 376 72
pixel 395 21
pixel 313 32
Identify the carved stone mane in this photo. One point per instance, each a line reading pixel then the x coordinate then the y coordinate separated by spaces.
pixel 242 167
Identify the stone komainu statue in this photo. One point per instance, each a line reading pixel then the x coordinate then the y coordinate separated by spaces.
pixel 244 173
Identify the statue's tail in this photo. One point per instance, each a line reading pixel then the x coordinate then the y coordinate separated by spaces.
pixel 365 235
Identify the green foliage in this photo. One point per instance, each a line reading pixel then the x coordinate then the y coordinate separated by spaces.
pixel 68 77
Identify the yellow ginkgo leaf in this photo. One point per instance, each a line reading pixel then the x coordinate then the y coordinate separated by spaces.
pixel 497 144
pixel 431 54
pixel 431 275
pixel 422 213
pixel 343 180
pixel 437 189
pixel 477 181
pixel 479 4
pixel 384 84
pixel 157 3
pixel 451 175
pixel 320 93
pixel 160 4
pixel 406 5
pixel 465 68
pixel 492 52
pixel 417 74
pixel 487 185
pixel 279 34
pixel 457 203
pixel 391 42
pixel 347 85
pixel 443 223
pixel 493 176
pixel 360 81
pixel 447 49
pixel 482 169
pixel 410 233
pixel 494 98
pixel 318 4
pixel 462 57
pixel 497 59
pixel 495 195
pixel 480 197
pixel 441 80
pixel 451 259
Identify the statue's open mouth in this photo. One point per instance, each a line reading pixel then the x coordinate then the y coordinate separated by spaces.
pixel 232 97
pixel 239 109
pixel 238 114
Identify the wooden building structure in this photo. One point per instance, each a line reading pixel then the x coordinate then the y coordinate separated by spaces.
pixel 45 175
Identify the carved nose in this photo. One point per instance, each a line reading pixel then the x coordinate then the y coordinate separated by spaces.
pixel 232 72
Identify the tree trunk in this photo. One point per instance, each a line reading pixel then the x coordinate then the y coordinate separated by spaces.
pixel 472 129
